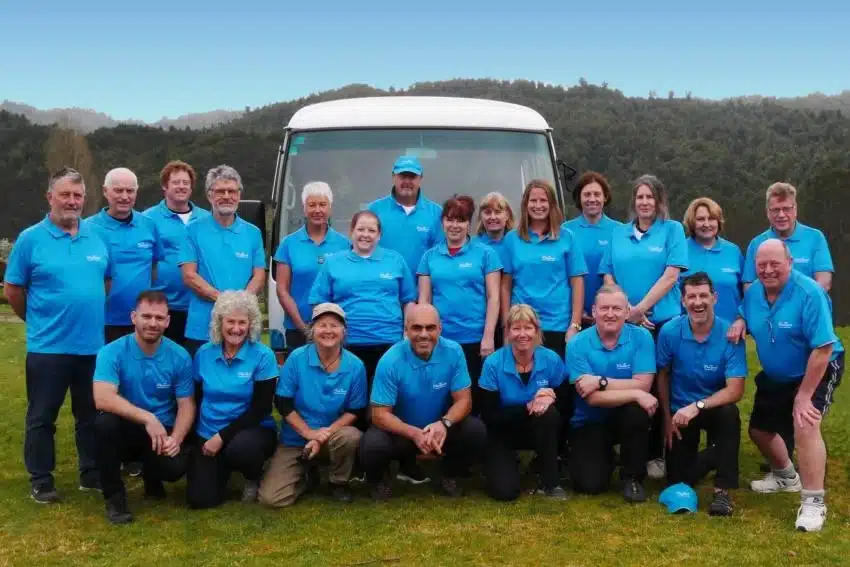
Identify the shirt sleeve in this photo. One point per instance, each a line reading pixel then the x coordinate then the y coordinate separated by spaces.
pixel 385 386
pixel 677 246
pixel 259 259
pixel 605 264
pixel 185 385
pixel 644 362
pixel 407 285
pixel 322 289
pixel 508 253
pixel 107 368
pixel 424 268
pixel 576 266
pixel 492 261
pixel 821 258
pixel 489 379
pixel 159 243
pixel 817 319
pixel 460 375
pixel 267 368
pixel 19 268
pixel 736 360
pixel 287 386
pixel 664 349
pixel 357 395
pixel 282 254
pixel 748 273
pixel 577 363
pixel 188 250
pixel 196 367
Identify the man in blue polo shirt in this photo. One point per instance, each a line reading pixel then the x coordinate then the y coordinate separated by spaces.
pixel 171 216
pixel 809 248
pixel 56 281
pixel 410 223
pixel 134 246
pixel 421 401
pixel 144 389
pixel 221 252
pixel 612 365
pixel 700 381
pixel 802 359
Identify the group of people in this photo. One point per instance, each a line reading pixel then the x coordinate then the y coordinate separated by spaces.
pixel 594 343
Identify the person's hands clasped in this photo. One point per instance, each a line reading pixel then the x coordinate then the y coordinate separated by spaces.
pixel 437 433
pixel 157 433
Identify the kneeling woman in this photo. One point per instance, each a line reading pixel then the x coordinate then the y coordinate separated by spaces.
pixel 321 393
pixel 234 379
pixel 521 384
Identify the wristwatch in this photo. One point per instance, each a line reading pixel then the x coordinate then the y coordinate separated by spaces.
pixel 446 422
pixel 603 383
pixel 701 405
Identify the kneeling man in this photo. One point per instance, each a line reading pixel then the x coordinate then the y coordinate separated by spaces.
pixel 143 390
pixel 700 379
pixel 612 366
pixel 421 399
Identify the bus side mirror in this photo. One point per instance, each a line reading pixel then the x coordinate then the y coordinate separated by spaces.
pixel 254 212
pixel 569 175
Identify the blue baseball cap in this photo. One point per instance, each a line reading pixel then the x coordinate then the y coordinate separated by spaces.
pixel 679 498
pixel 407 164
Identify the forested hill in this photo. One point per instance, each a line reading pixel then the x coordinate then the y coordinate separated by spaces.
pixel 730 150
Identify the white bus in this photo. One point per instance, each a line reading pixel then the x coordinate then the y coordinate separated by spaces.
pixel 466 146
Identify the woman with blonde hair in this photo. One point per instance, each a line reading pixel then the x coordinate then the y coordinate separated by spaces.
pixel 235 377
pixel 495 221
pixel 522 385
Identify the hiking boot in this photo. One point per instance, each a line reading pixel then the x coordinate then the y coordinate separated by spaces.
pixel 633 491
pixel 721 505
pixel 117 511
pixel 45 495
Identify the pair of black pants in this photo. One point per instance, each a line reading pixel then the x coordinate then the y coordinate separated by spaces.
pixel 723 425
pixel 465 442
pixel 522 431
pixel 556 340
pixel 121 440
pixel 474 362
pixel 115 332
pixel 176 330
pixel 49 377
pixel 246 453
pixel 192 345
pixel 294 339
pixel 592 446
pixel 655 448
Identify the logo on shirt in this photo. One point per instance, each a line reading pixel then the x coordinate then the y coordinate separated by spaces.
pixel 729 270
pixel 422 228
pixel 244 374
pixel 624 366
pixel 94 258
pixel 387 276
pixel 464 265
pixel 543 382
pixel 163 385
pixel 801 260
pixel 440 385
pixel 603 243
pixel 784 325
pixel 144 245
pixel 547 258
pixel 242 255
pixel 321 259
pixel 340 391
pixel 656 249
pixel 710 367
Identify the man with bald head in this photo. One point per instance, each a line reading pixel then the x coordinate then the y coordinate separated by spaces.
pixel 134 245
pixel 421 399
pixel 802 359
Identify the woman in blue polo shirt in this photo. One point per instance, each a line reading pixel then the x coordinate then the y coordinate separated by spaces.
pixel 321 393
pixel 235 378
pixel 520 385
pixel 544 267
pixel 461 279
pixel 495 220
pixel 592 229
pixel 710 253
pixel 372 284
pixel 299 257
pixel 645 258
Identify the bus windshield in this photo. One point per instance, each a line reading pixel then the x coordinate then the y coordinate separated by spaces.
pixel 357 164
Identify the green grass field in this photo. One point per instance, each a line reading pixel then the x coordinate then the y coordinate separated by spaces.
pixel 415 528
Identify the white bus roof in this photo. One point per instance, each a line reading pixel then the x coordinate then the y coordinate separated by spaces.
pixel 417 112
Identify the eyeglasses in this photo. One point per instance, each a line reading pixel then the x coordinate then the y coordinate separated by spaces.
pixel 786 210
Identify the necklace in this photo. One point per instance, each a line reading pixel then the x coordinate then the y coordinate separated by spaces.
pixel 327 367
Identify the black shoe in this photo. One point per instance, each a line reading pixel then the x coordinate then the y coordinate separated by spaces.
pixel 154 490
pixel 133 469
pixel 450 487
pixel 45 495
pixel 90 485
pixel 721 505
pixel 413 474
pixel 556 493
pixel 341 493
pixel 117 510
pixel 381 491
pixel 634 491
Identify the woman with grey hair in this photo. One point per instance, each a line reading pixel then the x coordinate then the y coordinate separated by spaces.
pixel 299 257
pixel 644 257
pixel 235 377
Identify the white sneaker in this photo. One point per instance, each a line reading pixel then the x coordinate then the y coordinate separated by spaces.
pixel 656 469
pixel 810 516
pixel 772 483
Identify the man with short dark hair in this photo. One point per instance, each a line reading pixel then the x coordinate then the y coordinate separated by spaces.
pixel 56 281
pixel 143 387
pixel 700 380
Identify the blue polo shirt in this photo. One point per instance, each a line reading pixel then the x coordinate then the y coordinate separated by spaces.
pixel 698 369
pixel 723 263
pixel 304 258
pixel 808 246
pixel 592 239
pixel 134 247
pixel 229 387
pixel 152 383
pixel 541 271
pixel 420 391
pixel 320 398
pixel 497 245
pixel 411 235
pixel 64 278
pixel 458 288
pixel 633 354
pixel 786 333
pixel 172 233
pixel 226 258
pixel 499 374
pixel 370 290
pixel 636 265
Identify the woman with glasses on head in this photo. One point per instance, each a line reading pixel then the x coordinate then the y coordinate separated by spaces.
pixel 299 257
pixel 461 279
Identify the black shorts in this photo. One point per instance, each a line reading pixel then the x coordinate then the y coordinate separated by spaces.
pixel 774 401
